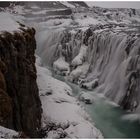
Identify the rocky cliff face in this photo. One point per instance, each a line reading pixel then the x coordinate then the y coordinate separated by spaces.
pixel 20 107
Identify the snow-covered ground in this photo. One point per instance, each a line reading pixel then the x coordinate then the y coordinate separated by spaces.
pixel 7 23
pixel 8 133
pixel 62 109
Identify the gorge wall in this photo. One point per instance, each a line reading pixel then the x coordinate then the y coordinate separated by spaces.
pixel 20 107
pixel 104 58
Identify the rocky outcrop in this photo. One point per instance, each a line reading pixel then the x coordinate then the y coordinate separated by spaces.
pixel 20 107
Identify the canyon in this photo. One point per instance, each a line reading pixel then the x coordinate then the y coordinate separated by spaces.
pixel 62 64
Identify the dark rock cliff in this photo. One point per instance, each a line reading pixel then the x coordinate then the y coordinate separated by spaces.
pixel 20 106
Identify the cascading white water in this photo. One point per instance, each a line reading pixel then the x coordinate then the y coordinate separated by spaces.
pixel 48 41
pixel 108 63
pixel 115 68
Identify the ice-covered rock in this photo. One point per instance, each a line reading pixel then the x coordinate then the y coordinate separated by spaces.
pixel 78 73
pixel 80 58
pixel 86 97
pixel 90 85
pixel 61 66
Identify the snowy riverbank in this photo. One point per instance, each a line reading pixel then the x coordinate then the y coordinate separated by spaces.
pixel 63 116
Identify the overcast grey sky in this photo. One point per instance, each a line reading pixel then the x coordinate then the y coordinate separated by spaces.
pixel 116 4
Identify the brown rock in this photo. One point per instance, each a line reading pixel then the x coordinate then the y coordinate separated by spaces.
pixel 18 87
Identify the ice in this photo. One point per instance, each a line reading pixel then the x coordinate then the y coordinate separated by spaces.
pixel 79 72
pixel 131 117
pixel 80 58
pixel 74 75
pixel 61 65
pixel 86 97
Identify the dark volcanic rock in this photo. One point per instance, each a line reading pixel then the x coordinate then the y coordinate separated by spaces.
pixel 20 92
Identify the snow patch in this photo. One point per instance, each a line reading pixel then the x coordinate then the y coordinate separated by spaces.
pixel 7 23
pixel 7 133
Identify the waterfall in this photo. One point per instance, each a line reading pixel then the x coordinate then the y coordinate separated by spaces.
pixel 47 42
pixel 112 58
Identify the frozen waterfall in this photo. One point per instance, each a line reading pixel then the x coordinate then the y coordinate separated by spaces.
pixel 112 57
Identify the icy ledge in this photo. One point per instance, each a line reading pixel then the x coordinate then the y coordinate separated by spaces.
pixel 62 116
